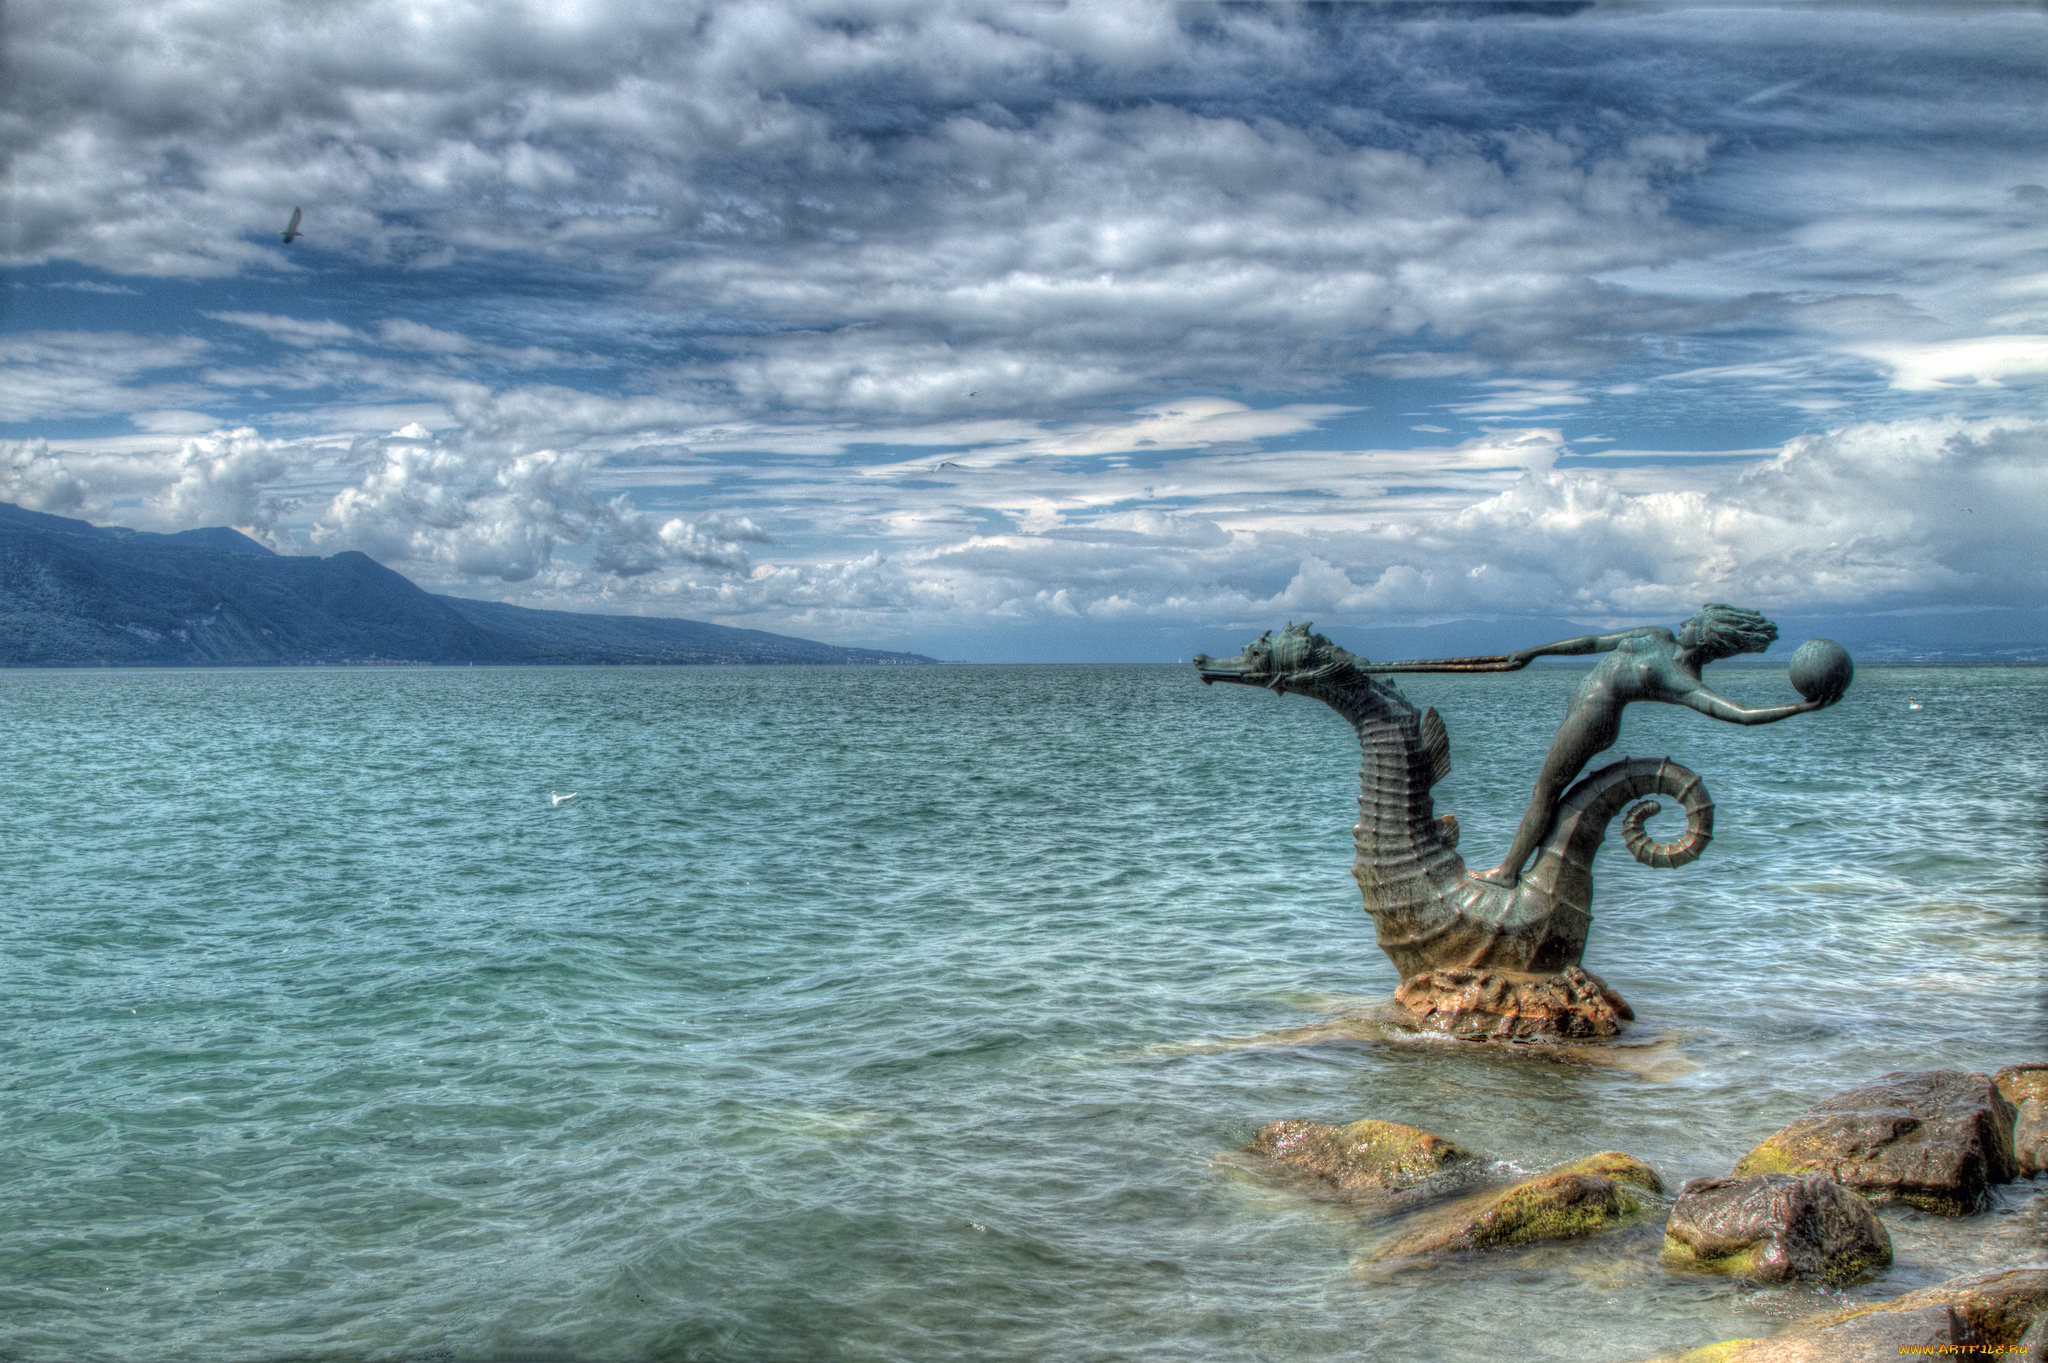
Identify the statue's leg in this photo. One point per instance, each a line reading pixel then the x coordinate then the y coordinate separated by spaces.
pixel 1583 733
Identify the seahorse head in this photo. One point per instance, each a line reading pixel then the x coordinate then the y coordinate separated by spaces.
pixel 1294 659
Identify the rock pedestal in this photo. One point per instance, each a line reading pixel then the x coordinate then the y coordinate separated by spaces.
pixel 1505 1005
pixel 1775 1228
pixel 1932 1139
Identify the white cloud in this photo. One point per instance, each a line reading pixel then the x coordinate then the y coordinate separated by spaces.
pixel 174 421
pixel 396 333
pixel 292 331
pixel 55 374
pixel 1872 516
pixel 1069 269
pixel 1065 248
pixel 1876 516
pixel 1979 362
pixel 452 510
pixel 225 479
pixel 1192 424
pixel 1522 395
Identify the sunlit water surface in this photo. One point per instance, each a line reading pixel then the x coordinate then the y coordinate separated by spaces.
pixel 910 1013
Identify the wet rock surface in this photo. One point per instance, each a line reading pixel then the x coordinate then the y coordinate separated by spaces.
pixel 1504 1005
pixel 1363 1155
pixel 1581 1198
pixel 1979 1316
pixel 1932 1139
pixel 2030 1137
pixel 2033 1346
pixel 2026 1088
pixel 1775 1228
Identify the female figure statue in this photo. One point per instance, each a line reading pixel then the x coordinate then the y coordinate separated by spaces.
pixel 1650 663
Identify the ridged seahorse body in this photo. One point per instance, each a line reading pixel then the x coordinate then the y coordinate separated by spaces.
pixel 1428 910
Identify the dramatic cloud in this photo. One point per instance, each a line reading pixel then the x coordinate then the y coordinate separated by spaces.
pixel 449 511
pixel 1880 516
pixel 1002 316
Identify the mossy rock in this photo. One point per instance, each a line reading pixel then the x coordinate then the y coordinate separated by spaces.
pixel 1750 1264
pixel 2017 1083
pixel 1617 1166
pixel 1992 1311
pixel 1366 1154
pixel 1932 1139
pixel 1574 1200
pixel 1775 1228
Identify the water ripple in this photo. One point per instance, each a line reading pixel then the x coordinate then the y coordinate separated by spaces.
pixel 875 1014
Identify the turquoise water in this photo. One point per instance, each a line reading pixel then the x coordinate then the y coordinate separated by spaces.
pixel 910 1013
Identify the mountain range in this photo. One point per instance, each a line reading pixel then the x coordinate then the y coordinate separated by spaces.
pixel 73 594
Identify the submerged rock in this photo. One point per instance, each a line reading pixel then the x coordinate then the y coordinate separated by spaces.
pixel 1775 1228
pixel 1933 1139
pixel 2026 1088
pixel 1978 1316
pixel 1505 1005
pixel 1581 1198
pixel 1366 1154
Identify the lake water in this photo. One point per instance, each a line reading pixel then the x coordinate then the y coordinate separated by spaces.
pixel 911 1013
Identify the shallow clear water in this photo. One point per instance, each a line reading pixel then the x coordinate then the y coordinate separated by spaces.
pixel 910 1013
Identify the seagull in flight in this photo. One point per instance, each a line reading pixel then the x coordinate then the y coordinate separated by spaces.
pixel 555 799
pixel 291 231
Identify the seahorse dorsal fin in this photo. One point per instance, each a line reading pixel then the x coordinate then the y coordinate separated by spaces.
pixel 1437 744
pixel 1447 829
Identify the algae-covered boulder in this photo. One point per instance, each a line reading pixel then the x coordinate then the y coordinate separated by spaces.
pixel 1612 1164
pixel 1775 1228
pixel 1979 1316
pixel 1581 1198
pixel 1933 1139
pixel 2026 1088
pixel 1364 1155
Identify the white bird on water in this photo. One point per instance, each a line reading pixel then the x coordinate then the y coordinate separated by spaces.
pixel 1912 704
pixel 558 799
pixel 291 231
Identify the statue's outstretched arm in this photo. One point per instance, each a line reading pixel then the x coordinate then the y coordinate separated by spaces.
pixel 1566 648
pixel 1502 662
pixel 1720 707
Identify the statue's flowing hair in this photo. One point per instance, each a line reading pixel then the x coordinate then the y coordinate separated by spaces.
pixel 1731 629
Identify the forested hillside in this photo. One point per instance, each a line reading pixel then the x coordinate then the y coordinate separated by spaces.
pixel 74 594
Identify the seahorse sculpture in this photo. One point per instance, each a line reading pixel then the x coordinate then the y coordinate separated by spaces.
pixel 1476 958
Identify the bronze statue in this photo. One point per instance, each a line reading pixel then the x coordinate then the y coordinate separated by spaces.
pixel 1645 664
pixel 1497 952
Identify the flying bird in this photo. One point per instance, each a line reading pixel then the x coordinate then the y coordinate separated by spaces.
pixel 558 799
pixel 291 231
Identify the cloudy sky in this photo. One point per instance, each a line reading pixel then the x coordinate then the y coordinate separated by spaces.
pixel 1018 331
